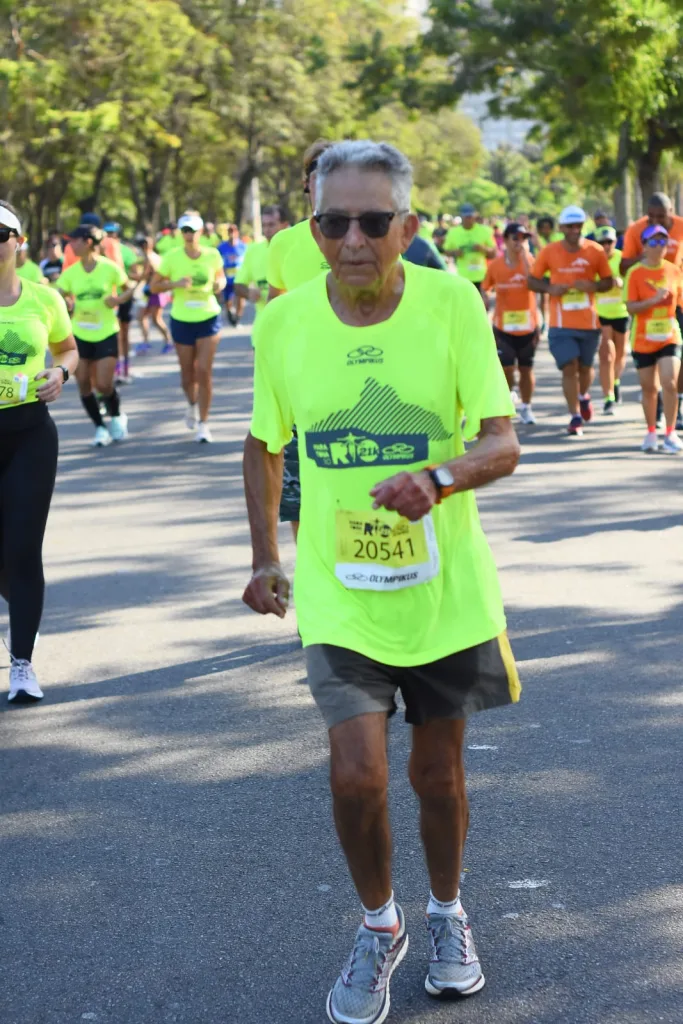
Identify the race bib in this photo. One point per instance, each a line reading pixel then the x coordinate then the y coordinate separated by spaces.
pixel 659 328
pixel 609 298
pixel 517 320
pixel 197 300
pixel 377 551
pixel 13 388
pixel 474 268
pixel 574 299
pixel 89 321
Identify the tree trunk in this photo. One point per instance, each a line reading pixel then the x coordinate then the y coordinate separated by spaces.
pixel 622 196
pixel 90 203
pixel 241 189
pixel 648 165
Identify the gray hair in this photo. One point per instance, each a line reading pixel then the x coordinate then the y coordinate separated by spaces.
pixel 367 155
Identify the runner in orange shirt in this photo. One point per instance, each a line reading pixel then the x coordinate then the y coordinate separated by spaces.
pixel 654 290
pixel 578 268
pixel 659 211
pixel 515 317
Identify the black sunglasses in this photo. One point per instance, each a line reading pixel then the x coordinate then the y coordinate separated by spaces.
pixel 189 231
pixel 373 224
pixel 6 234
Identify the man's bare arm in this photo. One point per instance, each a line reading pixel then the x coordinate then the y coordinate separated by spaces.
pixel 268 589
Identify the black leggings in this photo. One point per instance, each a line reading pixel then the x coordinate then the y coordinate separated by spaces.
pixel 28 465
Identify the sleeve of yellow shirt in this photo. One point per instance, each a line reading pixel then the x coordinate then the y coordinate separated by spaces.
pixel 244 273
pixel 60 321
pixel 272 417
pixel 274 272
pixel 483 391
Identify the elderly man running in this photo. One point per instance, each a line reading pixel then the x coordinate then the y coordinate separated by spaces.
pixel 396 585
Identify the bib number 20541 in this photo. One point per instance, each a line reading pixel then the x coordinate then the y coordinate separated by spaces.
pixel 381 551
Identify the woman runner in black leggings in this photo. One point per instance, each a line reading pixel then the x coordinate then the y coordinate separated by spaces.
pixel 33 317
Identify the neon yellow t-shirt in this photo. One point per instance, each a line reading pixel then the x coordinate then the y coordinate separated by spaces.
pixel 368 403
pixel 30 271
pixel 471 265
pixel 254 270
pixel 426 230
pixel 192 305
pixel 611 305
pixel 168 242
pixel 37 319
pixel 130 257
pixel 294 257
pixel 209 241
pixel 92 319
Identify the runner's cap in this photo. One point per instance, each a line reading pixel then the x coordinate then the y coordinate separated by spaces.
pixel 191 220
pixel 467 210
pixel 9 220
pixel 112 227
pixel 652 231
pixel 513 228
pixel 87 231
pixel 92 219
pixel 571 215
pixel 605 234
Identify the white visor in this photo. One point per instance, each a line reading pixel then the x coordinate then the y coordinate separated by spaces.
pixel 9 220
pixel 191 220
pixel 571 215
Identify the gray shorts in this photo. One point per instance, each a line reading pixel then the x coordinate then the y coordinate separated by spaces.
pixel 346 684
pixel 566 344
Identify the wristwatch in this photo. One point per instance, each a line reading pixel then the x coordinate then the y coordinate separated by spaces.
pixel 442 479
pixel 65 373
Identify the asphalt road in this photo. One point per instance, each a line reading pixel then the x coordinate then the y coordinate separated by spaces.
pixel 166 844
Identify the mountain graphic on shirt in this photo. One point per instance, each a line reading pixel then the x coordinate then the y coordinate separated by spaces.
pixel 14 351
pixel 380 429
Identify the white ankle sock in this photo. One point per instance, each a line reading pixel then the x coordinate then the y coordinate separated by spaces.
pixel 452 909
pixel 386 917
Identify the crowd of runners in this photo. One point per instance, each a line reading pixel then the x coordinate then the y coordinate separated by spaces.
pixel 359 444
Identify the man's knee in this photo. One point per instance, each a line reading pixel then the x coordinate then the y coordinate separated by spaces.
pixel 571 368
pixel 437 779
pixel 359 780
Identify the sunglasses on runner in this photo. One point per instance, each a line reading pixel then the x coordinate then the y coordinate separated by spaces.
pixel 373 224
pixel 6 234
pixel 189 231
pixel 652 243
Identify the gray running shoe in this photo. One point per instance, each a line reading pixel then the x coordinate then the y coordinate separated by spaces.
pixel 454 968
pixel 361 993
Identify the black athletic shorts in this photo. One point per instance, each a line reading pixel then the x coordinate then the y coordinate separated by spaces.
pixel 124 312
pixel 108 348
pixel 644 359
pixel 345 684
pixel 290 502
pixel 619 324
pixel 515 348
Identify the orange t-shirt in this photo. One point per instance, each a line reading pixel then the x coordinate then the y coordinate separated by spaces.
pixel 574 309
pixel 516 309
pixel 111 248
pixel 657 326
pixel 633 246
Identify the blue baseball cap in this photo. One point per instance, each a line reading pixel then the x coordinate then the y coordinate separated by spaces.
pixel 112 227
pixel 91 218
pixel 654 231
pixel 467 210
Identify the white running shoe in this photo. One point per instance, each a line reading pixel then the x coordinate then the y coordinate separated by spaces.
pixel 191 417
pixel 102 438
pixel 514 395
pixel 672 444
pixel 203 434
pixel 119 427
pixel 526 415
pixel 23 685
pixel 651 443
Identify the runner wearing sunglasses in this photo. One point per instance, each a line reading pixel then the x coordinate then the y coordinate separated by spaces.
pixel 294 259
pixel 515 317
pixel 95 287
pixel 33 318
pixel 194 274
pixel 613 317
pixel 395 584
pixel 654 290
